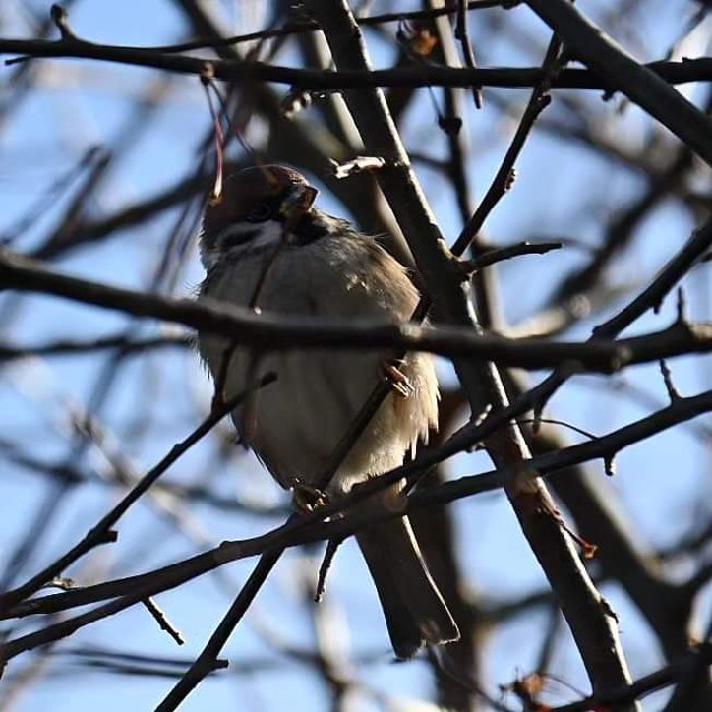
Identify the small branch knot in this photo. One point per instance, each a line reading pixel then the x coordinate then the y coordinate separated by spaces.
pixel 60 18
pixel 681 306
pixel 672 391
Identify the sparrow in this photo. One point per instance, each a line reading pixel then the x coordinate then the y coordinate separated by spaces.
pixel 265 246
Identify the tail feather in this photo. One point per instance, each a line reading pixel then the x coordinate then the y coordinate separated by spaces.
pixel 415 611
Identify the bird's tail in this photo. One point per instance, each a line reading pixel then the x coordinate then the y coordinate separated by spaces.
pixel 415 611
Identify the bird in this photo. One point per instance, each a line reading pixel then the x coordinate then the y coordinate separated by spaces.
pixel 265 246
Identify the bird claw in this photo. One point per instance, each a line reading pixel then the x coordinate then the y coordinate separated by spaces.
pixel 396 379
pixel 306 498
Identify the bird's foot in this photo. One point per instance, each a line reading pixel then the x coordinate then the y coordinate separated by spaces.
pixel 396 379
pixel 306 498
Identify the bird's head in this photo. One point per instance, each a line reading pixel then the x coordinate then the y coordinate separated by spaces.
pixel 257 206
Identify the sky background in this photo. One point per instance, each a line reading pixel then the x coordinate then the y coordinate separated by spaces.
pixel 156 400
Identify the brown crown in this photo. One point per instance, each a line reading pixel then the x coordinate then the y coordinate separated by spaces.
pixel 245 189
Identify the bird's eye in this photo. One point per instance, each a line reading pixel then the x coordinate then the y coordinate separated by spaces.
pixel 259 213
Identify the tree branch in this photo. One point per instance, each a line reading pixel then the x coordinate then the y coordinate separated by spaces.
pixel 237 71
pixel 273 332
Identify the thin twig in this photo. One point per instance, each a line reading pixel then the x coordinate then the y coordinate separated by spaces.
pixel 290 28
pixel 164 624
pixel 78 347
pixel 538 101
pixel 462 33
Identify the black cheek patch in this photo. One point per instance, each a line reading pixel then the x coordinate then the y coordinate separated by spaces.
pixel 238 239
pixel 309 229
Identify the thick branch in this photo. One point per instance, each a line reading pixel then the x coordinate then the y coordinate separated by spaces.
pixel 594 632
pixel 273 332
pixel 697 70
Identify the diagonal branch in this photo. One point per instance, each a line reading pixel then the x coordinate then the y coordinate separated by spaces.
pixel 641 85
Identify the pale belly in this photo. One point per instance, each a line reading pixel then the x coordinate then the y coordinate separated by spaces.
pixel 295 423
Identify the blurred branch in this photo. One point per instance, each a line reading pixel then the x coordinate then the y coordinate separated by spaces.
pixel 87 231
pixel 623 226
pixel 79 347
pixel 197 493
pixel 101 532
pixel 694 689
pixel 370 21
pixel 664 677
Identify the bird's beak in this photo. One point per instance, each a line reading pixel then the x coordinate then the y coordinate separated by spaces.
pixel 298 201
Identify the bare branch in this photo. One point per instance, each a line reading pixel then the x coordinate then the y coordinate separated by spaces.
pixel 691 70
